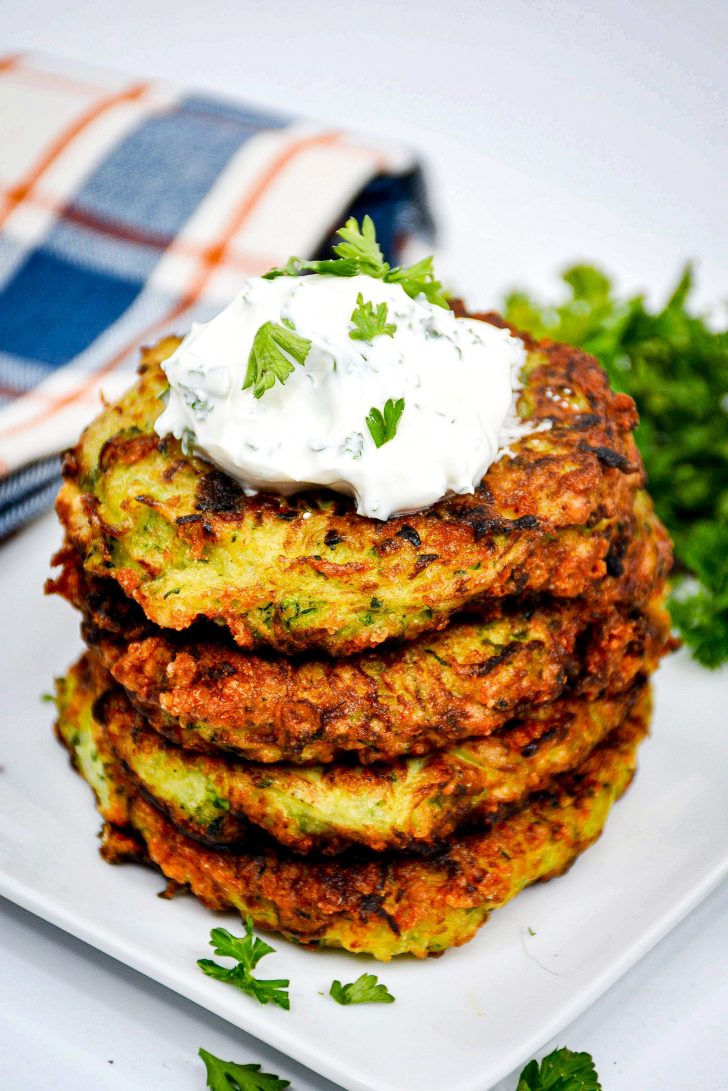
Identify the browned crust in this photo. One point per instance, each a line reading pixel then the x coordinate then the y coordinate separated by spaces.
pixel 394 903
pixel 524 757
pixel 206 694
pixel 519 532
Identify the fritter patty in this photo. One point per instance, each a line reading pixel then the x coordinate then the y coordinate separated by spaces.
pixel 464 682
pixel 184 541
pixel 327 808
pixel 79 731
pixel 384 905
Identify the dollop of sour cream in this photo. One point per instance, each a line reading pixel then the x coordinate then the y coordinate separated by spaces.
pixel 458 378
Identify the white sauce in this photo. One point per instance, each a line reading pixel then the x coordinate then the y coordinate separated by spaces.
pixel 458 378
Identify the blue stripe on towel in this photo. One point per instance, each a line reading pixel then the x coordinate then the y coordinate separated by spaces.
pixel 52 309
pixel 156 177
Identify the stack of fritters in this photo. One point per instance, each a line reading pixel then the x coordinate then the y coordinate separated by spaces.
pixel 363 734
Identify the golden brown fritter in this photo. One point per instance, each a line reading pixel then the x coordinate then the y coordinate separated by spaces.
pixel 411 701
pixel 467 681
pixel 382 904
pixel 184 541
pixel 402 804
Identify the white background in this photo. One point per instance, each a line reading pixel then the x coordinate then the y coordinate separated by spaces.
pixel 552 131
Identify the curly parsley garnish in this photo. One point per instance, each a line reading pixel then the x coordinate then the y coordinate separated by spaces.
pixel 228 1076
pixel 360 253
pixel 675 366
pixel 370 321
pixel 247 950
pixel 365 990
pixel 270 357
pixel 383 425
pixel 360 244
pixel 419 279
pixel 562 1070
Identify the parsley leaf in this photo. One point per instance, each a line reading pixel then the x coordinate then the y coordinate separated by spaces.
pixel 248 950
pixel 335 267
pixel 675 366
pixel 419 279
pixel 360 253
pixel 269 359
pixel 365 990
pixel 383 426
pixel 699 605
pixel 360 245
pixel 370 322
pixel 562 1070
pixel 228 1076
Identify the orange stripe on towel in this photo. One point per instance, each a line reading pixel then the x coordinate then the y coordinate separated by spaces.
pixel 18 193
pixel 10 62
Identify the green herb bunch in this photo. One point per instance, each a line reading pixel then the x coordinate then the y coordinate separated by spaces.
pixel 676 368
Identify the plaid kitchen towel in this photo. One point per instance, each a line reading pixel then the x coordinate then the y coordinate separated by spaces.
pixel 128 209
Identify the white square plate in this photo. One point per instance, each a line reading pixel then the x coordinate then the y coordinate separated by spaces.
pixel 461 1022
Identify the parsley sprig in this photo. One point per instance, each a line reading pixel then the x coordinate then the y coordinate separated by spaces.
pixel 228 1076
pixel 675 366
pixel 383 425
pixel 270 357
pixel 360 244
pixel 360 253
pixel 367 989
pixel 419 279
pixel 247 950
pixel 562 1070
pixel 370 321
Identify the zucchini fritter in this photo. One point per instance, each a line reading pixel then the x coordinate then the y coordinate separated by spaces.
pixel 396 805
pixel 465 682
pixel 473 682
pixel 390 904
pixel 184 541
pixel 77 728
